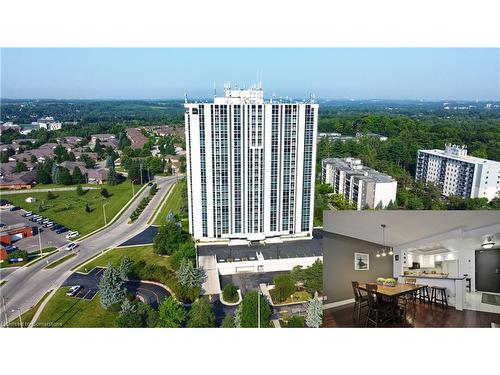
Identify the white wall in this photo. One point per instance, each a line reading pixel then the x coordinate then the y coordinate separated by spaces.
pixel 268 265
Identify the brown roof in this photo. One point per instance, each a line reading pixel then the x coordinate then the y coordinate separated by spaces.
pixel 137 139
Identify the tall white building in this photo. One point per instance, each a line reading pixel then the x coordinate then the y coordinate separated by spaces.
pixel 361 185
pixel 459 173
pixel 251 166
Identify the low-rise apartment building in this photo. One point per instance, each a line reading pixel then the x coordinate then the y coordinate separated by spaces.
pixel 361 185
pixel 458 173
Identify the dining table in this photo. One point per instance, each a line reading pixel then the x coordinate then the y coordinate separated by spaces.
pixel 392 293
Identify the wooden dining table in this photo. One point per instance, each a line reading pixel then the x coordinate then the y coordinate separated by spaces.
pixel 392 293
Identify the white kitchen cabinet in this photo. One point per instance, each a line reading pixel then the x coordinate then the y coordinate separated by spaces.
pixel 427 261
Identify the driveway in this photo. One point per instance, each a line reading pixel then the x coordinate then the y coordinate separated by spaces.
pixel 146 237
pixel 151 294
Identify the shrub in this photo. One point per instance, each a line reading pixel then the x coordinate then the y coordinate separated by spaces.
pixel 228 322
pixel 50 195
pixel 104 193
pixel 79 190
pixel 295 322
pixel 230 293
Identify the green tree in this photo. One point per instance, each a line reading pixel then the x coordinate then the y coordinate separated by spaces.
pixel 338 202
pixel 111 286
pixel 77 176
pixel 168 238
pixel 65 176
pixel 87 208
pixel 104 193
pixel 314 314
pixel 186 250
pixel 189 276
pixel 171 313
pixel 247 312
pixel 283 287
pixel 112 176
pixel 79 190
pixel 201 315
pixel 228 322
pixel 125 267
pixel 55 174
pixel 21 167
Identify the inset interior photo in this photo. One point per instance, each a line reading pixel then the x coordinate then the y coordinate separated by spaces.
pixel 411 269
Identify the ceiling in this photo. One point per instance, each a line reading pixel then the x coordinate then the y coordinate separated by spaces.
pixel 431 231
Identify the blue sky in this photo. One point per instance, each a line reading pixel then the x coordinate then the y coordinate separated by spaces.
pixel 430 74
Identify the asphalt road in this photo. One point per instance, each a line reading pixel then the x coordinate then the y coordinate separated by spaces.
pixel 27 285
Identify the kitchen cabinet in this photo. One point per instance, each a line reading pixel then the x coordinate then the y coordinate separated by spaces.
pixel 427 261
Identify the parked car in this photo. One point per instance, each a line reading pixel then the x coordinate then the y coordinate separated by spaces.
pixel 72 234
pixel 55 227
pixel 10 248
pixel 4 202
pixel 2 225
pixel 74 290
pixel 61 230
pixel 15 208
pixel 71 246
pixel 49 224
pixel 28 214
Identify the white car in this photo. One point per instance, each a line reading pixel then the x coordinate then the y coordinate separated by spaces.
pixel 72 234
pixel 74 290
pixel 71 246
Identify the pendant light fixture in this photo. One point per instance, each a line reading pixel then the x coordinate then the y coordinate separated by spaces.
pixel 488 243
pixel 385 250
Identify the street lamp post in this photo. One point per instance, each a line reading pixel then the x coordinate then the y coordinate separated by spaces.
pixel 20 319
pixel 40 240
pixel 258 309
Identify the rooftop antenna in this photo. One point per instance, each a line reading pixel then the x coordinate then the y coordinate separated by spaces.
pixel 185 98
pixel 215 91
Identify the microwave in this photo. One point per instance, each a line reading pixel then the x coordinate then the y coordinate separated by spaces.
pixel 415 266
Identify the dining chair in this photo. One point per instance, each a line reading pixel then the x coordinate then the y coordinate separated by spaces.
pixel 377 309
pixel 360 301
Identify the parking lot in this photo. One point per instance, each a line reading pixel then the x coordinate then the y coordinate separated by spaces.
pixel 31 244
pixel 151 294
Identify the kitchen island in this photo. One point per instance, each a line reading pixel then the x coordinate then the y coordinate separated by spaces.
pixel 455 287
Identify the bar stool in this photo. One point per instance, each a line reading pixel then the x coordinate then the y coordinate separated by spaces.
pixel 438 296
pixel 423 294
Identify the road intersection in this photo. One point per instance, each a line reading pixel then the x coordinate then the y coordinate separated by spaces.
pixel 26 285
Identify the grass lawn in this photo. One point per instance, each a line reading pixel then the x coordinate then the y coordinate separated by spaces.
pixel 172 203
pixel 64 311
pixel 68 208
pixel 298 296
pixel 135 253
pixel 59 261
pixel 28 315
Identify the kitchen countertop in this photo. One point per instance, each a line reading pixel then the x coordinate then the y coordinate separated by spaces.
pixel 435 277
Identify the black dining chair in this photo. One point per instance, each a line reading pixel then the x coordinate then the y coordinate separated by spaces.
pixel 360 301
pixel 378 310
